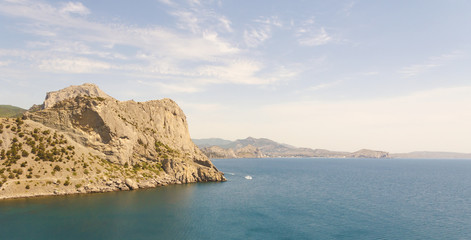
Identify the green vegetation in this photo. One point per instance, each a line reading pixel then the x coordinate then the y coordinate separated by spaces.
pixel 9 111
pixel 33 153
pixel 165 151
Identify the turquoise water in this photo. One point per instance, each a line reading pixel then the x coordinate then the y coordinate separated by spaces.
pixel 285 199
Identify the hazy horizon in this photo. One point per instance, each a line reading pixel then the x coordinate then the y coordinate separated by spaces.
pixel 341 75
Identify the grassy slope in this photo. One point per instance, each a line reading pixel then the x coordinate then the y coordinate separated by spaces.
pixel 11 111
pixel 37 160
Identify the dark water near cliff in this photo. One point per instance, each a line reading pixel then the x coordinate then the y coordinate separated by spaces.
pixel 285 199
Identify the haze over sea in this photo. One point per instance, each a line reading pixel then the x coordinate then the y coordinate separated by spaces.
pixel 285 199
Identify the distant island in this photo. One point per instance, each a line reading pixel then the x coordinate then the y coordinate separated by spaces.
pixel 80 140
pixel 266 148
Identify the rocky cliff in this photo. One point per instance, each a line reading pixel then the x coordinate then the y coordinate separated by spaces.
pixel 90 142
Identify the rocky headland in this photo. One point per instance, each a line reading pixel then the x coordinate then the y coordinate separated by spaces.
pixel 81 140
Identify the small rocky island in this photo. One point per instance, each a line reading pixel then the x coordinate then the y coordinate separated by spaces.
pixel 80 140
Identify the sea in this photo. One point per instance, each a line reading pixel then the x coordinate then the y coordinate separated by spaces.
pixel 272 198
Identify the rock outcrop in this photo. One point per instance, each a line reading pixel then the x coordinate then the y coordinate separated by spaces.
pixel 366 153
pixel 218 152
pixel 126 145
pixel 86 89
pixel 248 151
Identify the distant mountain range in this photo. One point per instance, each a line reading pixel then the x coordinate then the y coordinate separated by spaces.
pixel 263 147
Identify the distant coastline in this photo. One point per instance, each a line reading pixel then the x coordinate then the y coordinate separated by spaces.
pixel 217 148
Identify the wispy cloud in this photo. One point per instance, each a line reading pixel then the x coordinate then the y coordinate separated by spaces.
pixel 310 34
pixel 73 65
pixel 70 40
pixel 260 31
pixel 199 19
pixel 75 7
pixel 431 63
pixel 315 39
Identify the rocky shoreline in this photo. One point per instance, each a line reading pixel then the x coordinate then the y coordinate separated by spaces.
pixel 80 140
pixel 105 186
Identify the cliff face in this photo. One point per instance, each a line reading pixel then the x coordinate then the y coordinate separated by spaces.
pixel 150 137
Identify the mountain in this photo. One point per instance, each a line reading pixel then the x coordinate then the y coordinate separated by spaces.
pixel 8 111
pixel 263 147
pixel 81 140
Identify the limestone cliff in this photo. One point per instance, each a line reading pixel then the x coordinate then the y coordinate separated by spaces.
pixel 125 145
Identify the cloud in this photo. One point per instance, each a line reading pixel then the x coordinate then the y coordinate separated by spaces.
pixel 261 30
pixel 74 65
pixel 255 37
pixel 67 38
pixel 46 18
pixel 75 7
pixel 311 38
pixel 199 19
pixel 167 2
pixel 311 34
pixel 431 63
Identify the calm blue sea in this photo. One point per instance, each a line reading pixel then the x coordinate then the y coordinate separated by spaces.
pixel 285 199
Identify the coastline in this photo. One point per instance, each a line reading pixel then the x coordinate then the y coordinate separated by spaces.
pixel 103 187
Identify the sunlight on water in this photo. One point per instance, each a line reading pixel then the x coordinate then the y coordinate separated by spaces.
pixel 290 199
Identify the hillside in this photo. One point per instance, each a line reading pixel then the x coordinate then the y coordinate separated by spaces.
pixel 8 111
pixel 263 147
pixel 81 141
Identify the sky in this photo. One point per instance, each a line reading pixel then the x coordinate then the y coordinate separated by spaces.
pixel 338 75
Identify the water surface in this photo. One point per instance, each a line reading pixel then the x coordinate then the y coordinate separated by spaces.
pixel 284 199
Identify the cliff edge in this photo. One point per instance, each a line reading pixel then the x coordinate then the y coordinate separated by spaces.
pixel 82 140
